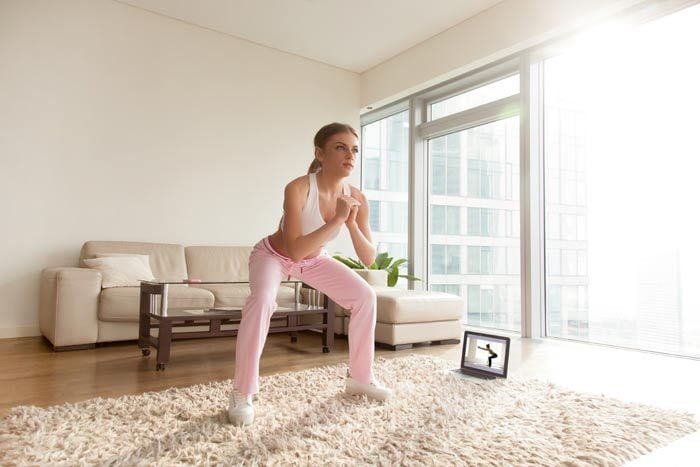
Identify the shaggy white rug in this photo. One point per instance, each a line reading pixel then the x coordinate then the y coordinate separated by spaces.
pixel 437 417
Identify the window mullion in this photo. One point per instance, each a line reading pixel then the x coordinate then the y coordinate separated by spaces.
pixel 531 201
pixel 417 196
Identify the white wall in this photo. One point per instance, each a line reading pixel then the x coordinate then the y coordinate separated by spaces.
pixel 506 28
pixel 120 124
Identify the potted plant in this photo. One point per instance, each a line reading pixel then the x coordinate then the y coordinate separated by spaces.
pixel 383 262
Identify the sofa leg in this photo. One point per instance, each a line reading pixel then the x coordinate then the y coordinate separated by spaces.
pixel 65 348
pixel 446 341
pixel 395 347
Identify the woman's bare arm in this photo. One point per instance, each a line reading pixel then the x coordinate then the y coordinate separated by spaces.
pixel 360 233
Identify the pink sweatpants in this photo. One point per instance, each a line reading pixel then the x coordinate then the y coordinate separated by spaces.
pixel 267 268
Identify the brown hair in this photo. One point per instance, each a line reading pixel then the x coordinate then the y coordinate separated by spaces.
pixel 324 134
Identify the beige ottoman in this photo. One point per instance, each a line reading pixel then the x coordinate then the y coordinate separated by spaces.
pixel 407 317
pixel 375 277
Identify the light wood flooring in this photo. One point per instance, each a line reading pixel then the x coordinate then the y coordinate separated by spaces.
pixel 32 373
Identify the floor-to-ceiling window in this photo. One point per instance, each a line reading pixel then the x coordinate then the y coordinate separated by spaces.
pixel 385 183
pixel 473 207
pixel 622 160
pixel 609 153
pixel 474 229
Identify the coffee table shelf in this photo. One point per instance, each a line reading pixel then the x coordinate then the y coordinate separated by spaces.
pixel 154 313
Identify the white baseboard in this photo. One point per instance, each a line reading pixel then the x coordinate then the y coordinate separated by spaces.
pixel 19 331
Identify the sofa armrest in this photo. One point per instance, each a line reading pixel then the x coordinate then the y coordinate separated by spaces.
pixel 68 305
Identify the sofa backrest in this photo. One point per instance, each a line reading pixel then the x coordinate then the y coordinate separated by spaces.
pixel 218 263
pixel 167 260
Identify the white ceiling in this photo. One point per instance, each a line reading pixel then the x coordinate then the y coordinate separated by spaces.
pixel 351 34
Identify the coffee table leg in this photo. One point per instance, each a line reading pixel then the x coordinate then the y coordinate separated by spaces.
pixel 329 319
pixel 165 334
pixel 144 323
pixel 293 321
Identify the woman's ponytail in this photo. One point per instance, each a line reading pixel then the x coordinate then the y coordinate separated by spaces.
pixel 315 165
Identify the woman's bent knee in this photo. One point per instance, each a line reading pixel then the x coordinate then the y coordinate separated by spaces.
pixel 263 300
pixel 365 296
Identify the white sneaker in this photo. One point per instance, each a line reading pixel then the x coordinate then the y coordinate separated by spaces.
pixel 240 409
pixel 372 390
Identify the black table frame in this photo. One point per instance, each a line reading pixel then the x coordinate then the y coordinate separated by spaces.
pixel 155 316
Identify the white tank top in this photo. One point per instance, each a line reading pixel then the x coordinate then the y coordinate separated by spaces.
pixel 311 218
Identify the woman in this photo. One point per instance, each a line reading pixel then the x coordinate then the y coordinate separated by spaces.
pixel 492 354
pixel 315 208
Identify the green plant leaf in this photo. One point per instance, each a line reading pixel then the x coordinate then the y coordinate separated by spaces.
pixel 410 277
pixel 386 263
pixel 379 260
pixel 358 264
pixel 393 277
pixel 344 261
pixel 399 262
pixel 347 261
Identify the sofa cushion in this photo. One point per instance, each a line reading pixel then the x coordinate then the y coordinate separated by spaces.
pixel 167 261
pixel 145 259
pixel 227 263
pixel 236 294
pixel 122 303
pixel 416 306
pixel 121 271
pixel 218 263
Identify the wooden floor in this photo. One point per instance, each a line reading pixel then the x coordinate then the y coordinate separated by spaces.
pixel 32 373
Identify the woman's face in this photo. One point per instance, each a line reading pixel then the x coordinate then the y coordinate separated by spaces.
pixel 338 154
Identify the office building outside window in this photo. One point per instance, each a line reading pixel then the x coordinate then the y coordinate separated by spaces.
pixel 474 221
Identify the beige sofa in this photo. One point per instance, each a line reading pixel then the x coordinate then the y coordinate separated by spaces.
pixel 76 312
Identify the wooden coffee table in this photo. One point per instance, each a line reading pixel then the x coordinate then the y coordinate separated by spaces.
pixel 154 313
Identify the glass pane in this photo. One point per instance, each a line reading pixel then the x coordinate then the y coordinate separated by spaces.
pixel 454 289
pixel 473 260
pixel 621 191
pixel 452 220
pixel 372 173
pixel 474 98
pixel 474 173
pixel 374 212
pixel 385 183
pixel 438 174
pixel 395 250
pixel 453 256
pixel 438 220
pixel 438 259
pixel 474 221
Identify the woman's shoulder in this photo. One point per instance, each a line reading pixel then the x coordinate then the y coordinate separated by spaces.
pixel 356 193
pixel 299 182
pixel 298 185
